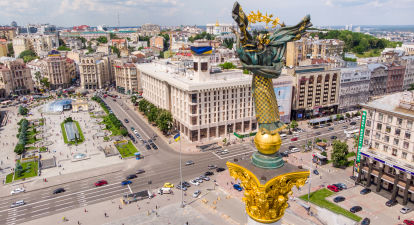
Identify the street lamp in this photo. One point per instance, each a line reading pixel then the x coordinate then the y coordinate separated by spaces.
pixel 310 166
pixel 169 132
pixel 228 130
pixel 148 107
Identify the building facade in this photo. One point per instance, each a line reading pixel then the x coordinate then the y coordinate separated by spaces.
pixel 97 70
pixel 74 43
pixel 408 61
pixel 59 71
pixel 36 66
pixel 15 77
pixel 315 91
pixel 150 29
pixel 378 82
pixel 36 43
pixel 8 32
pixel 387 158
pixel 217 29
pixel 126 77
pixel 395 79
pixel 3 50
pixel 204 105
pixel 88 35
pixel 354 88
pixel 157 42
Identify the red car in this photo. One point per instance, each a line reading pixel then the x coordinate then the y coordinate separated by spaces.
pixel 294 139
pixel 409 222
pixel 333 188
pixel 100 183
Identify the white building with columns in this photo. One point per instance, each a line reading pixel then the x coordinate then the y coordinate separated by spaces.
pixel 217 29
pixel 206 103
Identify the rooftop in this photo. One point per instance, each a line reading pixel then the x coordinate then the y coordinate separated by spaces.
pixel 400 103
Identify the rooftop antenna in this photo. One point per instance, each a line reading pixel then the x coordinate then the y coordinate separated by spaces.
pixel 118 22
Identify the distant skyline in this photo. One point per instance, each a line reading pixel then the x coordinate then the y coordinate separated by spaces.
pixel 68 13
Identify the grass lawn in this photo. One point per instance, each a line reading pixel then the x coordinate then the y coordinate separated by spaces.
pixel 351 154
pixel 112 128
pixel 127 150
pixel 65 139
pixel 368 54
pixel 32 172
pixel 31 148
pixel 42 149
pixel 318 198
pixel 9 178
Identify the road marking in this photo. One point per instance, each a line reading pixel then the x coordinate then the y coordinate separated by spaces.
pixel 64 208
pixel 40 210
pixel 64 203
pixel 40 214
pixel 129 188
pixel 40 206
pixel 62 200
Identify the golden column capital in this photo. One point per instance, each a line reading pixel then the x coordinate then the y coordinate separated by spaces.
pixel 266 201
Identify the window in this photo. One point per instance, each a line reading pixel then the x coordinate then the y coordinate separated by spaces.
pixel 406 144
pixel 388 129
pixel 394 152
pixel 404 155
pixel 387 138
pixel 407 135
pixel 379 126
pixel 397 132
pixel 409 124
pixel 377 135
pixel 389 119
pixel 381 116
pixel 396 141
pixel 376 145
pixel 204 66
pixel 195 66
pixel 385 148
pixel 368 123
pixel 370 113
pixel 367 132
pixel 399 121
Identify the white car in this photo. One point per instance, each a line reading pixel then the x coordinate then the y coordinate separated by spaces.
pixel 18 203
pixel 294 150
pixel 196 193
pixel 354 127
pixel 135 131
pixel 296 132
pixel 199 180
pixel 17 191
pixel 224 152
pixel 296 136
pixel 193 182
pixel 406 210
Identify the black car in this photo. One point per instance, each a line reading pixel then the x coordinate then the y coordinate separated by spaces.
pixel 352 123
pixel 353 177
pixel 316 172
pixel 284 154
pixel 154 146
pixel 290 147
pixel 59 190
pixel 391 203
pixel 355 209
pixel 148 147
pixel 338 186
pixel 132 176
pixel 365 191
pixel 317 133
pixel 339 199
pixel 328 124
pixel 150 141
pixel 366 221
pixel 220 169
pixel 186 184
pixel 126 120
pixel 208 173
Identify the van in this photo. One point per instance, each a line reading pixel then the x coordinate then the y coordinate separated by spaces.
pixel 283 136
pixel 165 190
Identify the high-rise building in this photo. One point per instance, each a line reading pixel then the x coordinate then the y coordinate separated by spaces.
pixel 59 71
pixel 150 29
pixel 127 79
pixel 8 32
pixel 205 102
pixel 15 77
pixel 357 29
pixel 350 27
pixel 97 70
pixel 346 27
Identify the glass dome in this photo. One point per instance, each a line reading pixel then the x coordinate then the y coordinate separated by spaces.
pixel 79 156
pixel 57 106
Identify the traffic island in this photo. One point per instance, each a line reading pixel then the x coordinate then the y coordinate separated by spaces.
pixel 126 148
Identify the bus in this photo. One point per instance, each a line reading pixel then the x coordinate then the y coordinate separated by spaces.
pixel 351 133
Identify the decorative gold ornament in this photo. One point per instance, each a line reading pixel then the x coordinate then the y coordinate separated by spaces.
pixel 266 203
pixel 267 143
pixel 259 17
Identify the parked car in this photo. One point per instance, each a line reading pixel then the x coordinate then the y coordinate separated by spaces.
pixel 154 146
pixel 353 177
pixel 316 172
pixel 198 179
pixel 290 147
pixel 284 154
pixel 18 203
pixel 365 191
pixel 220 169
pixel 343 186
pixel 179 187
pixel 168 185
pixel 366 221
pixel 17 191
pixel 294 139
pixel 126 182
pixel 191 162
pixel 328 124
pixel 333 188
pixel 196 193
pixel 132 176
pixel 208 173
pixel 409 222
pixel 330 128
pixel 334 137
pixel 126 120
pixel 352 123
pixel 391 203
pixel 132 128
pixel 140 171
pixel 186 184
pixel 354 127
pixel 355 209
pixel 101 183
pixel 294 150
pixel 318 133
pixel 338 186
pixel 211 167
pixel 224 152
pixel 237 187
pixel 406 210
pixel 322 126
pixel 59 190
pixel 193 182
pixel 204 178
pixel 344 127
pixel 339 199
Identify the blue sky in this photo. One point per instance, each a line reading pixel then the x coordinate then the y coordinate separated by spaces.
pixel 174 12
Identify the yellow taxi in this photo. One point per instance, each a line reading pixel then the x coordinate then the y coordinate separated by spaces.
pixel 168 185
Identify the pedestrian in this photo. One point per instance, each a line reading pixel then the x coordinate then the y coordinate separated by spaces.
pixel 120 207
pixel 398 217
pixel 85 210
pixel 138 207
pixel 156 207
pixel 156 213
pixel 112 200
pixel 105 215
pixel 78 222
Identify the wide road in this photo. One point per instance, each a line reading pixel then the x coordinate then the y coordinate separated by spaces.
pixel 161 166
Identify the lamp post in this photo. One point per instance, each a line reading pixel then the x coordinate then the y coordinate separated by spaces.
pixel 148 107
pixel 169 132
pixel 228 130
pixel 310 166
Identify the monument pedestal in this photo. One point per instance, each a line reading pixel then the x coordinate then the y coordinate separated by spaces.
pixel 251 221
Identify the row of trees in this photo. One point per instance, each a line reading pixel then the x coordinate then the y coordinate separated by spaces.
pixel 115 121
pixel 28 55
pixel 23 110
pixel 203 35
pixel 161 117
pixel 22 136
pixel 228 42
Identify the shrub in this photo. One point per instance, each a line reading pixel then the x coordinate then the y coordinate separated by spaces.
pixel 19 149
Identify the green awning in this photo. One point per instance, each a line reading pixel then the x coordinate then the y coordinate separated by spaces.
pixel 244 135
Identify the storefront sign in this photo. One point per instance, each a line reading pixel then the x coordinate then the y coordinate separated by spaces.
pixel 387 163
pixel 361 135
pixel 299 115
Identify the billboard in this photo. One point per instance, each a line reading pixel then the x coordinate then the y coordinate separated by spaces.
pixel 361 135
pixel 284 100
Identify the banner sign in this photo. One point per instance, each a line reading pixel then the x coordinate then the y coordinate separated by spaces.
pixel 387 163
pixel 361 135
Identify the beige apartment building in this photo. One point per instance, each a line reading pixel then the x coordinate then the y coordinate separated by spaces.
pixel 8 32
pixel 157 42
pixel 204 104
pixel 306 48
pixel 127 79
pixel 15 77
pixel 3 50
pixel 97 70
pixel 387 157
pixel 315 91
pixel 36 43
pixel 60 71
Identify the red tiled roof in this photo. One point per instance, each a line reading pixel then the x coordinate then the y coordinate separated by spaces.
pixel 7 28
pixel 140 56
pixel 129 65
pixel 318 61
pixel 2 40
pixel 69 60
pixel 118 40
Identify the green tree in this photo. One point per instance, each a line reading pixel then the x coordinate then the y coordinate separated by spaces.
pixel 338 116
pixel 347 115
pixel 358 113
pixel 27 53
pixel 225 141
pixel 102 39
pixel 227 65
pixel 152 116
pixel 64 48
pixel 10 48
pixel 140 48
pixel 113 36
pixel 318 140
pixel 82 39
pixel 324 141
pixel 115 50
pixel 38 76
pixel 61 42
pixel 129 39
pixel 339 152
pixel 163 119
pixel 124 132
pixel 45 82
pixel 352 114
pixel 19 149
pixel 246 72
pixel 20 111
pixel 19 169
pixel 133 99
pixel 28 58
pixel 294 124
